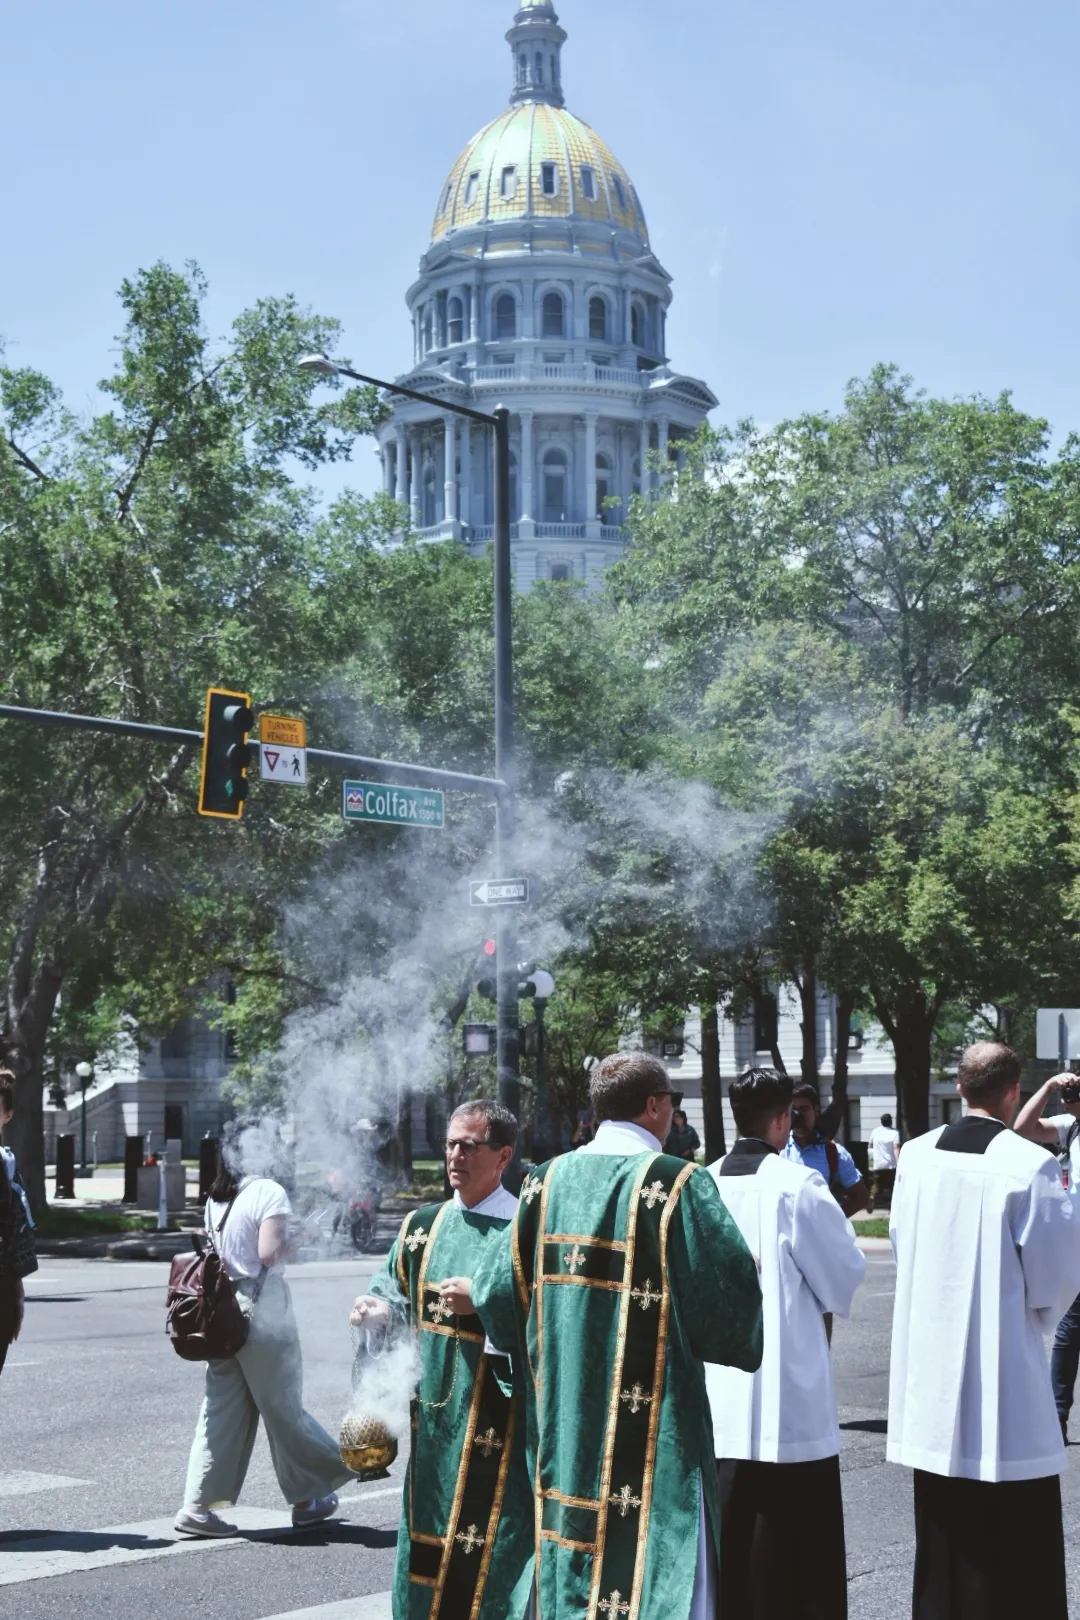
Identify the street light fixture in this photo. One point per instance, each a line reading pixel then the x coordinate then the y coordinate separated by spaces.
pixel 508 1063
pixel 84 1073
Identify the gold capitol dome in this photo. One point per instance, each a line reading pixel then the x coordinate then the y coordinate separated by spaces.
pixel 537 161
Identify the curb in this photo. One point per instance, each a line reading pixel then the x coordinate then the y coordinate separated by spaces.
pixel 150 1247
pixel 874 1245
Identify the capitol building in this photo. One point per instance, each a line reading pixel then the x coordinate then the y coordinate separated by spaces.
pixel 539 291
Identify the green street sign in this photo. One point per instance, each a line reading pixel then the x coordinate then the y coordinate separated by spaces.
pixel 393 806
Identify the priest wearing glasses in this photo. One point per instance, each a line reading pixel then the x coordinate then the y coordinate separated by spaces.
pixel 621 1274
pixel 465 1548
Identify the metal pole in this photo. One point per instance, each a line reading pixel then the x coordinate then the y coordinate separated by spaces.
pixel 83 1088
pixel 542 1146
pixel 508 1058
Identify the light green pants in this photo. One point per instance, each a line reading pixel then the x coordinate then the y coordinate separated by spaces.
pixel 264 1380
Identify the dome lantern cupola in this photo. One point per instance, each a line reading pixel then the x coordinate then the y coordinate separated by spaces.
pixel 536 41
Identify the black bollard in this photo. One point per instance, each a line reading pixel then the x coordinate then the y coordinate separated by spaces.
pixel 209 1164
pixel 65 1167
pixel 134 1153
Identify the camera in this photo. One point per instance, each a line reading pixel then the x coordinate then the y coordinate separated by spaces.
pixel 1070 1094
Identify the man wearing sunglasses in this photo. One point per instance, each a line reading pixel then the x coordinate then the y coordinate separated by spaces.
pixel 466 1541
pixel 622 1272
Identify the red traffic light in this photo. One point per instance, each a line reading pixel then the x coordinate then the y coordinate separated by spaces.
pixel 490 947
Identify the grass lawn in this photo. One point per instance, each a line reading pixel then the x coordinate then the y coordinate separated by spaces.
pixel 877 1227
pixel 65 1223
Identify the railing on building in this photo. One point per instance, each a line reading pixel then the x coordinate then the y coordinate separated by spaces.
pixel 561 531
pixel 623 377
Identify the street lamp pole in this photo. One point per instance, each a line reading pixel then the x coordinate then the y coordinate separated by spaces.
pixel 85 1074
pixel 508 1054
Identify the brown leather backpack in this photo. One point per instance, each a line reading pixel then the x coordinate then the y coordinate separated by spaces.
pixel 202 1314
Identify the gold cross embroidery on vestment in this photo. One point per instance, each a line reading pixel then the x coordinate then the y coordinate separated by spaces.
pixel 624 1501
pixel 636 1398
pixel 615 1605
pixel 645 1296
pixel 530 1187
pixel 488 1442
pixel 440 1311
pixel 471 1539
pixel 575 1259
pixel 415 1239
pixel 654 1195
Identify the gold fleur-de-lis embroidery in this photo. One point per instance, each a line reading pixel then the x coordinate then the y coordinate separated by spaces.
pixel 488 1443
pixel 575 1259
pixel 615 1605
pixel 530 1187
pixel 471 1539
pixel 624 1501
pixel 636 1398
pixel 440 1312
pixel 645 1295
pixel 415 1240
pixel 654 1195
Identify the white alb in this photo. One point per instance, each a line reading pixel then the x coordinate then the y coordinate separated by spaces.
pixel 987 1253
pixel 808 1262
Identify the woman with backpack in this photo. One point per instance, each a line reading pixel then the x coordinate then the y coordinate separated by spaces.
pixel 17 1256
pixel 246 1223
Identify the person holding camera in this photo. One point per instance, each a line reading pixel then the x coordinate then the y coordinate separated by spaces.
pixel 1060 1133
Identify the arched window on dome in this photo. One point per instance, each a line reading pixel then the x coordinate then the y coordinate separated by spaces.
pixel 539 67
pixel 549 179
pixel 523 68
pixel 637 326
pixel 603 487
pixel 508 183
pixel 553 319
pixel 620 191
pixel 428 330
pixel 455 316
pixel 555 486
pixel 505 317
pixel 588 182
pixel 472 188
pixel 598 320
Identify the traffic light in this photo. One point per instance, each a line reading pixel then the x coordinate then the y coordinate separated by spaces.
pixel 226 755
pixel 488 986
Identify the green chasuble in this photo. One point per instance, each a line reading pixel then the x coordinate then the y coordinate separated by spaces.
pixel 465 1548
pixel 619 1276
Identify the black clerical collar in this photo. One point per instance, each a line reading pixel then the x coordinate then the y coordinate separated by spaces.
pixel 747 1157
pixel 972 1134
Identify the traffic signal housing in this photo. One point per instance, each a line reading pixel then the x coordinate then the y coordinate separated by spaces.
pixel 226 755
pixel 488 986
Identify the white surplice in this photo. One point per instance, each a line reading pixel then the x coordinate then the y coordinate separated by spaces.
pixel 808 1262
pixel 987 1250
pixel 622 1138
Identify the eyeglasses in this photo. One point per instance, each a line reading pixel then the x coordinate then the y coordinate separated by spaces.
pixel 466 1145
pixel 676 1097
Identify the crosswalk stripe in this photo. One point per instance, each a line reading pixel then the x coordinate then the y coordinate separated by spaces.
pixel 376 1607
pixel 77 1552
pixel 28 1484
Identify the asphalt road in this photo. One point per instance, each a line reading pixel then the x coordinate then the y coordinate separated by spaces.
pixel 97 1416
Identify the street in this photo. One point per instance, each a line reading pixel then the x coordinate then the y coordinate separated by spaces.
pixel 98 1415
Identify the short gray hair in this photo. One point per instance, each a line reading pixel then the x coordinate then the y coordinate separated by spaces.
pixel 502 1127
pixel 622 1084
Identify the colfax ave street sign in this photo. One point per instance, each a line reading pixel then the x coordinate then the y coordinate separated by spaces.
pixel 500 892
pixel 394 806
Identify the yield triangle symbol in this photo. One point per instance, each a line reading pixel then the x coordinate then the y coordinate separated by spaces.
pixel 272 759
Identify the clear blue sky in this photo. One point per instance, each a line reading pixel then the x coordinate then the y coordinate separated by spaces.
pixel 830 183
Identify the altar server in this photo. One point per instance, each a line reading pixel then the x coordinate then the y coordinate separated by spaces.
pixel 465 1545
pixel 622 1273
pixel 776 1433
pixel 987 1249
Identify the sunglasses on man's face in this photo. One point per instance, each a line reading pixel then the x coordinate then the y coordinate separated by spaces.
pixel 676 1097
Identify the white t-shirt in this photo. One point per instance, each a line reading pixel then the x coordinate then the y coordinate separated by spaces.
pixel 258 1200
pixel 884 1147
pixel 1066 1124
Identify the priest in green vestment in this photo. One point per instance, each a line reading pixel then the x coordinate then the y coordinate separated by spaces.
pixel 465 1548
pixel 621 1274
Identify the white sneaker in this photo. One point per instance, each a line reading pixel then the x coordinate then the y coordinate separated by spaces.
pixel 201 1522
pixel 305 1514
